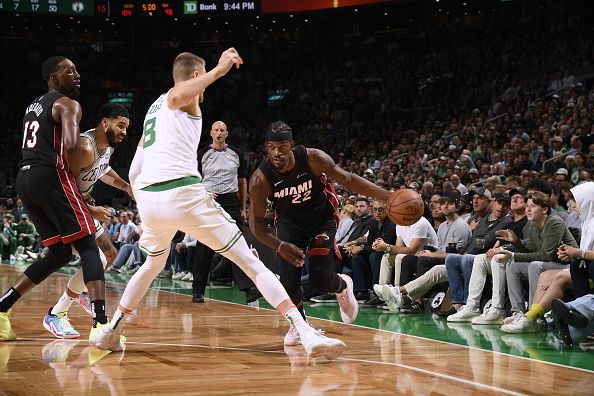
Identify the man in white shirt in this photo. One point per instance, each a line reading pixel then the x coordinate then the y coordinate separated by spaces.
pixel 127 229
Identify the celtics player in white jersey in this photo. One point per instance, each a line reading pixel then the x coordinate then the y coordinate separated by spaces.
pixel 170 196
pixel 97 146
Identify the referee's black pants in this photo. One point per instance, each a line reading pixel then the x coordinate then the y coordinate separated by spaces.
pixel 203 255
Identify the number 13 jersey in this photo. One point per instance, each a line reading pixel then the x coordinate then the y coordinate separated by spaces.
pixel 300 197
pixel 42 136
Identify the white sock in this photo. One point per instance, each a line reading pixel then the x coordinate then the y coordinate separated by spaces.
pixel 63 304
pixel 296 320
pixel 117 317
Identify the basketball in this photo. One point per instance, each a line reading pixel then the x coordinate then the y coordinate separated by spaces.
pixel 405 207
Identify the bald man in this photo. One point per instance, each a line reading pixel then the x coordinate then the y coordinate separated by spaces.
pixel 223 169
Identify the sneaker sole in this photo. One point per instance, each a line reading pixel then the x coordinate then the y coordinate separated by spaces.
pixel 114 348
pixel 520 331
pixel 330 352
pixel 65 336
pixel 460 320
pixel 345 318
pixel 487 322
pixel 291 342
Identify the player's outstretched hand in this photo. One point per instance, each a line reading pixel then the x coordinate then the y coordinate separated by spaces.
pixel 228 59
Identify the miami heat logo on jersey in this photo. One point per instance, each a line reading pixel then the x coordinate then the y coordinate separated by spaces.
pixel 298 194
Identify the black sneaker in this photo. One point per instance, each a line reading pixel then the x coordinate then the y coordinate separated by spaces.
pixel 252 294
pixel 197 297
pixel 373 302
pixel 361 296
pixel 445 314
pixel 412 308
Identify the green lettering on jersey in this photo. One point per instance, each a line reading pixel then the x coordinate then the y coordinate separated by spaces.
pixel 149 132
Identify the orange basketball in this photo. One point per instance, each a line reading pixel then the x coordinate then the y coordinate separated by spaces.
pixel 405 207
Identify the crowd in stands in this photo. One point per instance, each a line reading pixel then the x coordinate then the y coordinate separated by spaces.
pixel 493 124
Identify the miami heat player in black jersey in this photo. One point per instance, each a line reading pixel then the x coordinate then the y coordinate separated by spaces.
pixel 47 186
pixel 294 180
pixel 300 197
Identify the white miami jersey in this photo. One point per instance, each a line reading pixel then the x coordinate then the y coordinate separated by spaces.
pixel 100 166
pixel 171 139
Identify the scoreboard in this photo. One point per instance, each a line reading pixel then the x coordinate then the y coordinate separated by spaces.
pixel 134 8
pixel 62 7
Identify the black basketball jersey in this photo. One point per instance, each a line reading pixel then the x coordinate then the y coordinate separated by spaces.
pixel 300 197
pixel 42 136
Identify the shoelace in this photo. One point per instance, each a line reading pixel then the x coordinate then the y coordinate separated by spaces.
pixel 65 324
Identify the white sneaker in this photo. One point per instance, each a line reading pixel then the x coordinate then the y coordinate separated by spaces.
pixel 317 345
pixel 393 298
pixel 464 314
pixel 292 337
pixel 522 325
pixel 178 275
pixel 491 316
pixel 349 307
pixel 377 289
pixel 512 318
pixel 188 277
pixel 103 337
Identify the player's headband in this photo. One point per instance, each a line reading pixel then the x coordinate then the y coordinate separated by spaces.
pixel 279 135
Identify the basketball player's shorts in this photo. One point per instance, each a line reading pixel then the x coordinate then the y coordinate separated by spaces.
pixel 183 204
pixel 315 239
pixel 54 204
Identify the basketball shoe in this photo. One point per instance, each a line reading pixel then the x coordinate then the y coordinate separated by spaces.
pixel 59 325
pixel 349 307
pixel 317 345
pixel 292 337
pixel 85 302
pixel 103 337
pixel 6 333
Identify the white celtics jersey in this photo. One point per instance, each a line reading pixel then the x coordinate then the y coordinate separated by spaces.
pixel 171 139
pixel 100 166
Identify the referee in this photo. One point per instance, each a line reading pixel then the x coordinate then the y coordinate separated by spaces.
pixel 223 170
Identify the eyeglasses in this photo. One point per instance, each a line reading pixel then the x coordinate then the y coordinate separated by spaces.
pixel 379 210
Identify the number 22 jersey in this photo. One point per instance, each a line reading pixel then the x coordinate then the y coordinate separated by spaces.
pixel 300 197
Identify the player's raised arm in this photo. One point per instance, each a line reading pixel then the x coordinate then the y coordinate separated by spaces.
pixel 320 162
pixel 191 81
pixel 67 113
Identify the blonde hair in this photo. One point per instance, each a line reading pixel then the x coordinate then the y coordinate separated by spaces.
pixel 185 64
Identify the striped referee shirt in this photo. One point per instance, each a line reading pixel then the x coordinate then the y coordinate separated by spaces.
pixel 220 169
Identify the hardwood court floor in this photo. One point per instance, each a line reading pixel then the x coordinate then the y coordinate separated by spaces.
pixel 176 347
